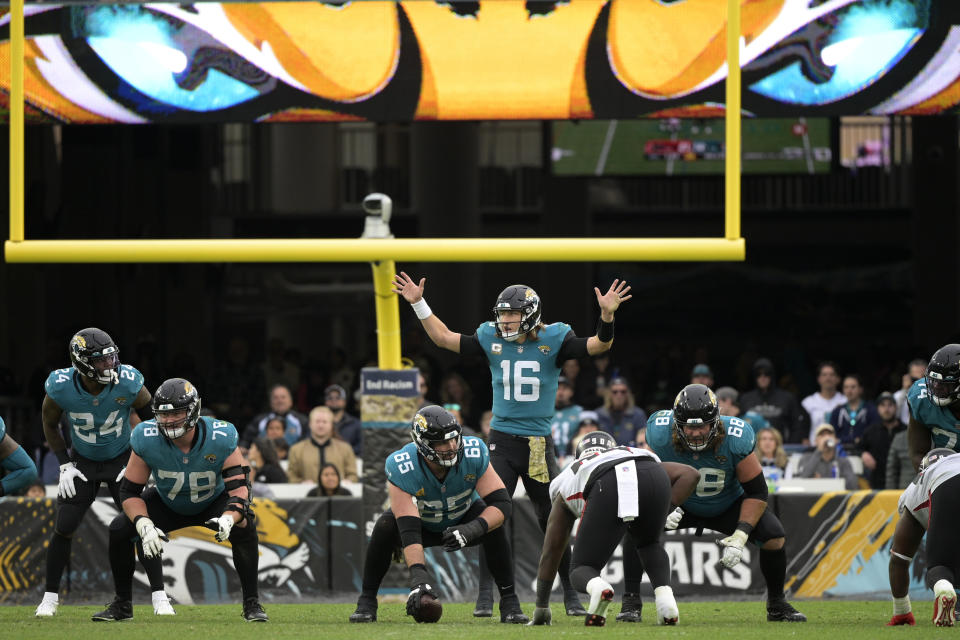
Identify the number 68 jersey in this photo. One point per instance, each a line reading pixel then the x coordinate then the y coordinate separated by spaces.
pixel 441 502
pixel 718 487
pixel 187 482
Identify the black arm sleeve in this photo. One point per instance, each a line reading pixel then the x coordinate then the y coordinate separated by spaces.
pixel 572 348
pixel 755 488
pixel 470 345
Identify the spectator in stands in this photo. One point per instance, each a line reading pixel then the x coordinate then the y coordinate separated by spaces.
pixel 877 439
pixel 770 451
pixel 276 428
pixel 587 423
pixel 264 462
pixel 281 446
pixel 329 484
pixel 35 491
pixel 729 405
pixel 915 370
pixel 277 369
pixel 640 440
pixel 582 395
pixel 455 390
pixel 778 407
pixel 851 419
pixel 823 462
pixel 566 417
pixel 900 471
pixel 341 372
pixel 308 456
pixel 348 426
pixel 620 416
pixel 281 406
pixel 423 401
pixel 702 374
pixel 456 412
pixel 821 404
pixel 237 384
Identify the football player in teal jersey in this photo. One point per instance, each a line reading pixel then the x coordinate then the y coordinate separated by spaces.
pixel 100 398
pixel 201 480
pixel 21 471
pixel 443 491
pixel 934 403
pixel 731 496
pixel 567 416
pixel 525 356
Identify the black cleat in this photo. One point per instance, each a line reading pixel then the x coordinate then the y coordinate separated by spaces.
pixel 782 611
pixel 510 611
pixel 253 612
pixel 571 602
pixel 631 608
pixel 116 611
pixel 484 608
pixel 366 610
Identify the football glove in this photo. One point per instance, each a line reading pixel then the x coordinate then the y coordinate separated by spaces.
pixel 733 548
pixel 413 600
pixel 120 475
pixel 673 519
pixel 68 477
pixel 223 525
pixel 459 536
pixel 541 616
pixel 151 537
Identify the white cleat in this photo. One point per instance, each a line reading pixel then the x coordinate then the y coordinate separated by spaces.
pixel 667 612
pixel 601 595
pixel 161 605
pixel 47 608
pixel 944 604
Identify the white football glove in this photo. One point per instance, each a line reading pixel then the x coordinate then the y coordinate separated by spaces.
pixel 541 616
pixel 120 475
pixel 673 520
pixel 224 525
pixel 733 548
pixel 151 537
pixel 68 476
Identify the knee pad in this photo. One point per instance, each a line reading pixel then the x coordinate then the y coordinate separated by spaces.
pixel 385 528
pixel 68 518
pixel 244 534
pixel 121 527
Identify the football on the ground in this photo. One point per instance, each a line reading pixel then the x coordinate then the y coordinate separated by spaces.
pixel 430 609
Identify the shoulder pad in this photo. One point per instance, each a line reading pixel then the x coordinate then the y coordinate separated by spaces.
pixel 739 435
pixel 131 378
pixel 221 433
pixel 57 380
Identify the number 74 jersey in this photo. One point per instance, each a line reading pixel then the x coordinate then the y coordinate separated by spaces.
pixel 943 425
pixel 187 482
pixel 441 503
pixel 718 487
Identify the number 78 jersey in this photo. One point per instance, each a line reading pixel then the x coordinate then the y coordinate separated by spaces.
pixel 441 503
pixel 187 482
pixel 718 487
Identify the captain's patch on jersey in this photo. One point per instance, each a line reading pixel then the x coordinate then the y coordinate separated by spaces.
pixel 496 347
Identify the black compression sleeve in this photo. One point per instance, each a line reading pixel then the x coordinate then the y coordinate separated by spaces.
pixel 755 488
pixel 572 348
pixel 470 345
pixel 501 500
pixel 410 530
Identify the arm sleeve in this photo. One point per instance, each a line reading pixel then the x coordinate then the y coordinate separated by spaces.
pixel 470 345
pixel 22 471
pixel 572 347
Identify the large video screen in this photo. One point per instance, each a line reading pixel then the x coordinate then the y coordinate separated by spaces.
pixel 674 146
pixel 487 60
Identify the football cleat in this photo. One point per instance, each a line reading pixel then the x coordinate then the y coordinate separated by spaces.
pixel 601 595
pixel 484 608
pixel 116 611
pixel 903 618
pixel 253 612
pixel 571 602
pixel 782 611
pixel 510 611
pixel 162 606
pixel 366 610
pixel 944 604
pixel 667 611
pixel 47 608
pixel 631 609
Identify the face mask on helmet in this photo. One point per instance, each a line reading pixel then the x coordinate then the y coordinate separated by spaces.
pixel 94 355
pixel 516 312
pixel 696 408
pixel 943 388
pixel 174 424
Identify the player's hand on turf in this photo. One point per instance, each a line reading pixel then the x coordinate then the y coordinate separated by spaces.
pixel 733 548
pixel 406 287
pixel 610 301
pixel 413 600
pixel 151 537
pixel 673 520
pixel 541 616
pixel 459 536
pixel 68 477
pixel 223 524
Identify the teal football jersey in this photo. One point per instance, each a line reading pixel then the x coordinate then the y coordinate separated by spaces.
pixel 101 423
pixel 943 425
pixel 524 379
pixel 441 503
pixel 718 487
pixel 187 482
pixel 564 425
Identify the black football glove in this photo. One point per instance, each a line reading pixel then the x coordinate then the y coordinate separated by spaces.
pixel 413 600
pixel 459 536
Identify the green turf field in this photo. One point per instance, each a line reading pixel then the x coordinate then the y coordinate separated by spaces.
pixel 619 147
pixel 832 620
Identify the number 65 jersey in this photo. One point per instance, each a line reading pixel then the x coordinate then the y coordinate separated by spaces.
pixel 101 423
pixel 187 482
pixel 718 487
pixel 441 502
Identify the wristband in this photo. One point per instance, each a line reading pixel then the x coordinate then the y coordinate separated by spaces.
pixel 544 587
pixel 604 331
pixel 421 308
pixel 746 527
